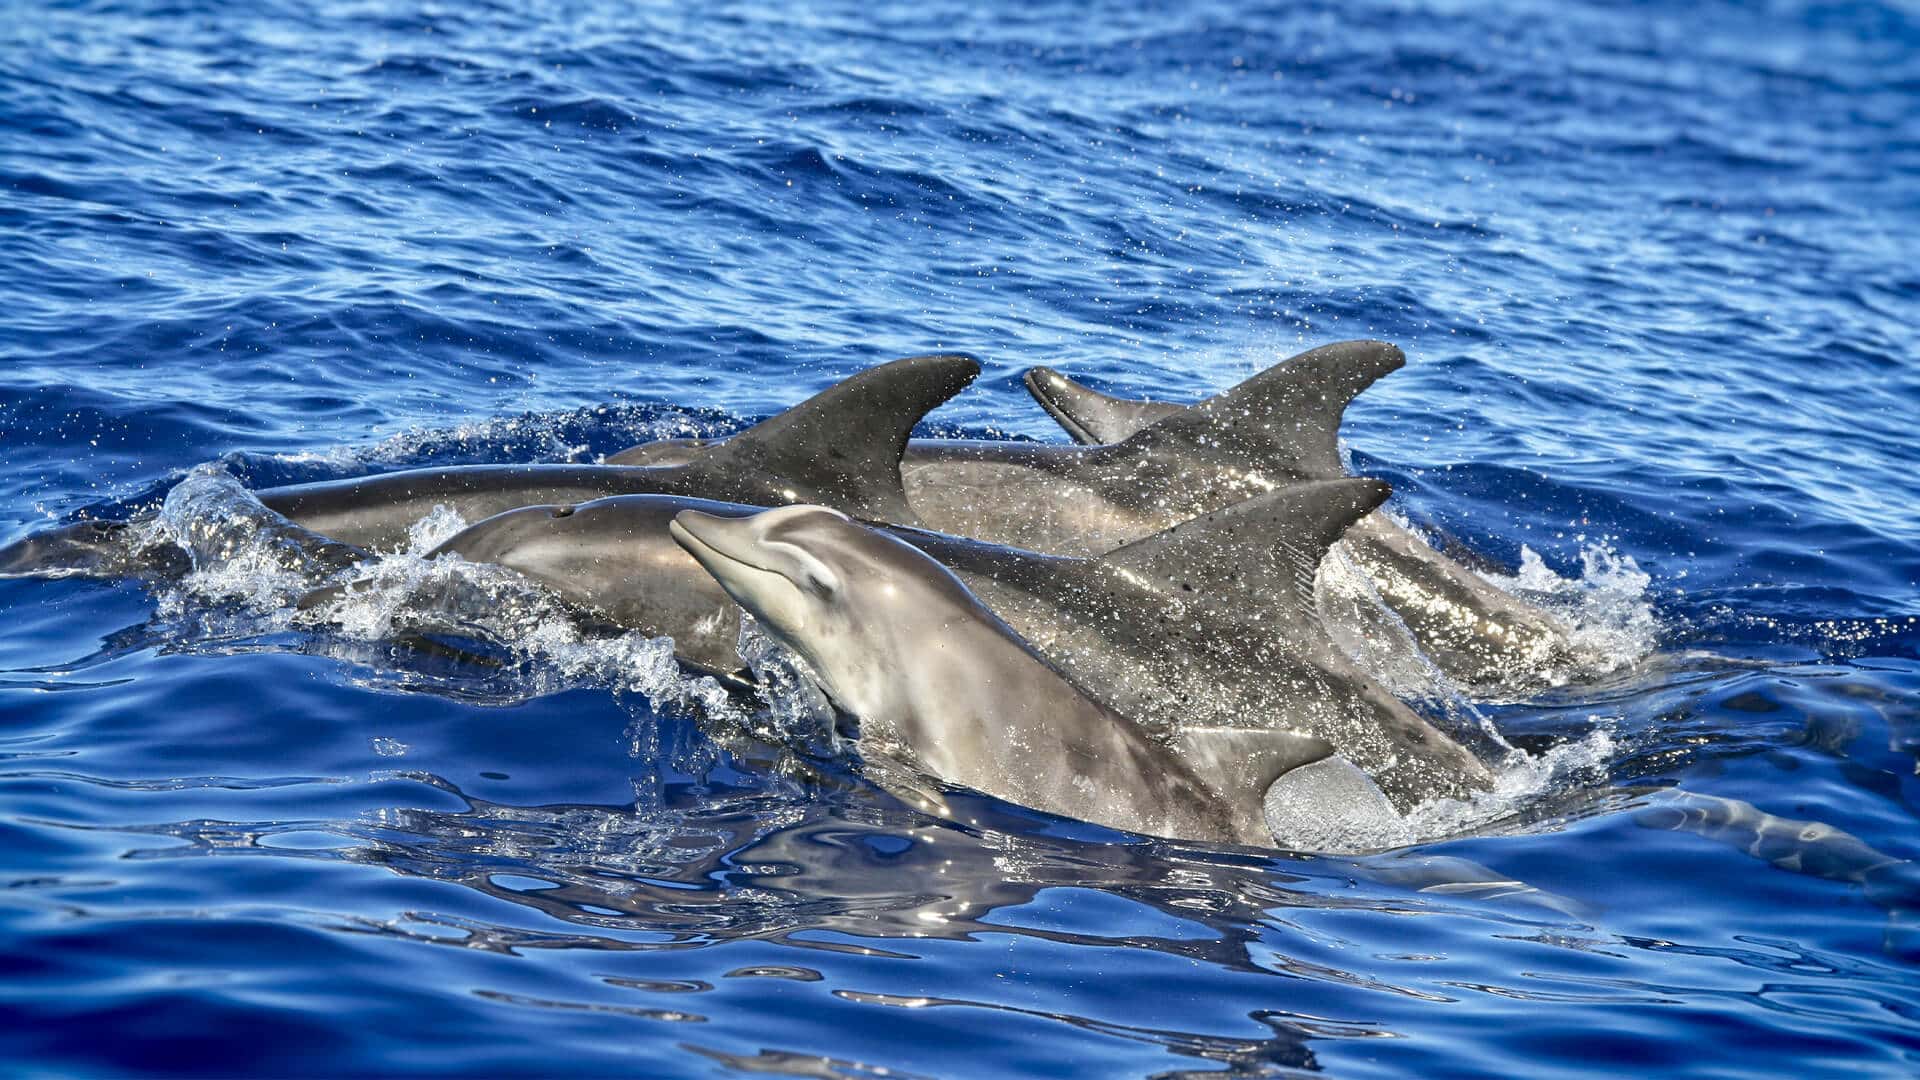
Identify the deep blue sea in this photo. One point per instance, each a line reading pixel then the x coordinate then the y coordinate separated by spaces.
pixel 1657 273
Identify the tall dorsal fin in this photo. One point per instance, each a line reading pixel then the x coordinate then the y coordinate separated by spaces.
pixel 1090 416
pixel 1270 542
pixel 842 446
pixel 1284 421
pixel 1242 763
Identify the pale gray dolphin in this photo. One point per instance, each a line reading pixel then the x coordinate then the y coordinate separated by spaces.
pixel 937 680
pixel 1211 623
pixel 1159 463
pixel 841 447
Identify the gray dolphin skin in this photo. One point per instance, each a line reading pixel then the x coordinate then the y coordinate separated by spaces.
pixel 842 446
pixel 1150 465
pixel 939 682
pixel 1210 623
pixel 1481 637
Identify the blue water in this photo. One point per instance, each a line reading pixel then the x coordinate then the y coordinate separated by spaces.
pixel 1655 272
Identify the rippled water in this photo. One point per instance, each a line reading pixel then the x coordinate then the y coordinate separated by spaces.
pixel 1654 272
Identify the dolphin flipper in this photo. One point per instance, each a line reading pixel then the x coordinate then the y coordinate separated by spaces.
pixel 842 446
pixel 1090 416
pixel 1285 420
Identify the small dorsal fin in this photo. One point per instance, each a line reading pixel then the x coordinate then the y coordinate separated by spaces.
pixel 1090 416
pixel 1272 541
pixel 1242 763
pixel 1284 421
pixel 842 446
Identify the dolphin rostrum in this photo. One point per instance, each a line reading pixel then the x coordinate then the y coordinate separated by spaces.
pixel 938 681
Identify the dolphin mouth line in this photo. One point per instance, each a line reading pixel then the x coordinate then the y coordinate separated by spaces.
pixel 691 540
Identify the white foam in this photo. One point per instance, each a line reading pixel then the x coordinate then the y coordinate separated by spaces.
pixel 1606 609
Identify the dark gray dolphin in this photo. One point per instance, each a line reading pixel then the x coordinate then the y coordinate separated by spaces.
pixel 841 447
pixel 1210 623
pixel 938 681
pixel 1479 635
pixel 1159 463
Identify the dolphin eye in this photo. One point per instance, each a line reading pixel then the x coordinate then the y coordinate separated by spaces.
pixel 563 511
pixel 100 528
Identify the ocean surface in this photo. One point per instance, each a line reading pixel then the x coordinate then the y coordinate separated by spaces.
pixel 1657 273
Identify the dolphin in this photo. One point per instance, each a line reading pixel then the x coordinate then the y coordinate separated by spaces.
pixel 842 447
pixel 938 681
pixel 1154 464
pixel 1209 623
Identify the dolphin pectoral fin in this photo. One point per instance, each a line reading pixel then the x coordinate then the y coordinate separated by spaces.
pixel 1240 762
pixel 1331 806
pixel 1270 541
pixel 1090 416
pixel 842 446
pixel 1285 420
pixel 906 784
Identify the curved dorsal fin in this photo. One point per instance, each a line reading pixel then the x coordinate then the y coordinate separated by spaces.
pixel 1285 420
pixel 1090 416
pixel 1270 545
pixel 842 446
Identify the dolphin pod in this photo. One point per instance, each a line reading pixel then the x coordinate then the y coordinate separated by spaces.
pixel 1145 466
pixel 1152 591
pixel 1210 623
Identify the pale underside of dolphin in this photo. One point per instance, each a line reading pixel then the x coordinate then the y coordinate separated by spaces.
pixel 1210 623
pixel 937 680
pixel 1148 465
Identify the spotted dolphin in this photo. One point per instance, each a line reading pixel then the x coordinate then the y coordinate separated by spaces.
pixel 936 680
pixel 1148 465
pixel 1210 623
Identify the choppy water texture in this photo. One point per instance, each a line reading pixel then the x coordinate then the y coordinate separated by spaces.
pixel 1655 273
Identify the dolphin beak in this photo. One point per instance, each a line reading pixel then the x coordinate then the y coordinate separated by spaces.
pixel 1050 388
pixel 704 536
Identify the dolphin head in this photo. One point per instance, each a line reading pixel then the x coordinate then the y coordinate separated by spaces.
pixel 88 548
pixel 850 600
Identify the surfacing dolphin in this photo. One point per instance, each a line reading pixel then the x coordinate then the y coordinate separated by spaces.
pixel 1209 623
pixel 1153 464
pixel 939 682
pixel 840 447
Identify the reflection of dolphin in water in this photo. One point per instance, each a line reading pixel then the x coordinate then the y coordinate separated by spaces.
pixel 841 447
pixel 935 678
pixel 1209 624
pixel 1168 463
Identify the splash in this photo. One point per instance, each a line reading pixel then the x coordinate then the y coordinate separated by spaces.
pixel 1520 781
pixel 240 551
pixel 1609 619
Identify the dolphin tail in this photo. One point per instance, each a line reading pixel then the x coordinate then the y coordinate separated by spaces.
pixel 1272 542
pixel 1284 420
pixel 842 446
pixel 1090 416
